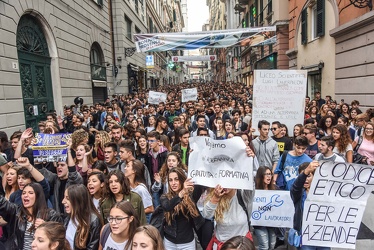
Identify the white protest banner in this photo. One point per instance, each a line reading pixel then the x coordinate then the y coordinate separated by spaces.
pixel 156 97
pixel 189 95
pixel 279 95
pixel 272 208
pixel 223 162
pixel 194 58
pixel 335 204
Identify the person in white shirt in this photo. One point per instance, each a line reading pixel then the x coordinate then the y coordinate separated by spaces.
pixel 325 147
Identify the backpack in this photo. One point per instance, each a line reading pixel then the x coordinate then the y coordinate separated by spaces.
pixel 158 220
pixel 104 235
pixel 281 182
pixel 241 203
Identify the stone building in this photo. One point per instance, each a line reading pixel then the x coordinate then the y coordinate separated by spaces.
pixel 50 53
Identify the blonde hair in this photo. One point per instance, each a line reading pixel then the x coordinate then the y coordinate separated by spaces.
pixel 104 138
pixel 222 206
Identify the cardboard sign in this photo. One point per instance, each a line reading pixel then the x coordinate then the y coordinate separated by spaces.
pixel 50 147
pixel 223 162
pixel 156 97
pixel 272 208
pixel 189 95
pixel 335 204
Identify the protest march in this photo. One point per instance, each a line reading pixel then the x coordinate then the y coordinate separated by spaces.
pixel 193 165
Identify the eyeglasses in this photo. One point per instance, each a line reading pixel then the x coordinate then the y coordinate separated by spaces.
pixel 117 220
pixel 268 174
pixel 306 133
pixel 274 129
pixel 151 141
pixel 369 129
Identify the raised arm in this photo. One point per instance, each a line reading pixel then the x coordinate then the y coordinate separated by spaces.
pixel 24 162
pixel 25 135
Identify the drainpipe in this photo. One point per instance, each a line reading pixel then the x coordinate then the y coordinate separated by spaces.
pixel 112 39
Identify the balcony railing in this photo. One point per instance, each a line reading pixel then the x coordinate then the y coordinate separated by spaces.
pixel 98 72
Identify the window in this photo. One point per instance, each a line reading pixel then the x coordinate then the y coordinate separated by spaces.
pixel 261 11
pixel 98 69
pixel 304 27
pixel 137 6
pixel 128 28
pixel 317 21
pixel 270 7
pixel 150 25
pixel 99 2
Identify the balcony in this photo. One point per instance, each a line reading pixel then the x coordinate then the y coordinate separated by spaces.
pixel 98 72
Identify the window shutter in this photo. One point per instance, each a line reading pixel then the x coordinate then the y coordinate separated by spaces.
pixel 304 27
pixel 320 17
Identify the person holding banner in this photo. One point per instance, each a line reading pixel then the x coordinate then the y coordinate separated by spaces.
pixel 266 236
pixel 299 192
pixel 181 213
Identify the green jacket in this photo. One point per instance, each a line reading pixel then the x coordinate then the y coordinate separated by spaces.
pixel 135 200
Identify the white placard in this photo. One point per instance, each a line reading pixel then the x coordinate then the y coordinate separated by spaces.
pixel 223 162
pixel 272 208
pixel 279 95
pixel 149 62
pixel 335 204
pixel 189 95
pixel 156 97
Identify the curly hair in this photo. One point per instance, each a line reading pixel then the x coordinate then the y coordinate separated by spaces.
pixel 78 137
pixel 104 138
pixel 344 140
pixel 164 171
pixel 187 206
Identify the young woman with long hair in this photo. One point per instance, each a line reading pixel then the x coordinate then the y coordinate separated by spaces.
pixel 23 220
pixel 172 160
pixel 50 236
pixel 142 151
pixel 83 160
pixel 325 126
pixel 96 187
pixel 265 235
pixel 83 222
pixel 118 189
pixel 151 123
pixel 101 138
pixel 297 130
pixel 148 238
pixel 229 127
pixel 9 180
pixel 181 213
pixel 366 149
pixel 313 113
pixel 118 233
pixel 344 110
pixel 343 142
pixel 219 129
pixel 164 141
pixel 134 171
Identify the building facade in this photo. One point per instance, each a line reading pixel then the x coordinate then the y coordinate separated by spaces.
pixel 353 48
pixel 311 46
pixel 50 53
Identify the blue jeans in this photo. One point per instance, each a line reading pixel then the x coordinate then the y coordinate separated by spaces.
pixel 266 237
pixel 313 248
pixel 156 199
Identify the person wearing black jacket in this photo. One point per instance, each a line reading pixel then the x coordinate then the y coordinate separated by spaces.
pixel 181 213
pixel 23 220
pixel 83 222
pixel 299 191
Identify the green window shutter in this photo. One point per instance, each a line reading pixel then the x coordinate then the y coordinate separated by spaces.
pixel 320 17
pixel 304 27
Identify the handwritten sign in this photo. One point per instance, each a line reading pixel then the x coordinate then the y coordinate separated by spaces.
pixel 335 204
pixel 272 208
pixel 223 162
pixel 50 147
pixel 156 97
pixel 189 95
pixel 279 95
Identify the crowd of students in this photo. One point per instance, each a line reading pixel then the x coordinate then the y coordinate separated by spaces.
pixel 128 159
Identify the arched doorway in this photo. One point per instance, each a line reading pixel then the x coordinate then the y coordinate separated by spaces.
pixel 98 74
pixel 35 71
